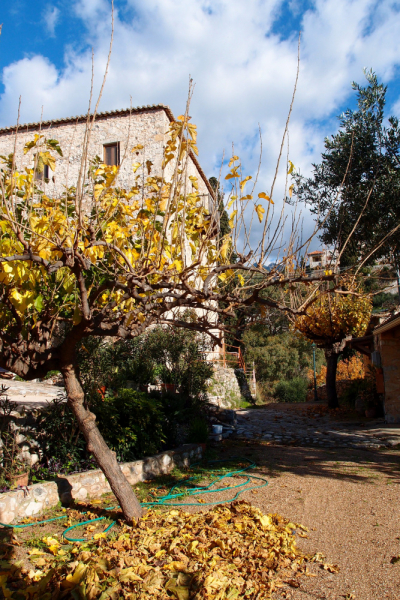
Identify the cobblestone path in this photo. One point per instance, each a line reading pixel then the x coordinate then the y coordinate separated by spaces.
pixel 301 425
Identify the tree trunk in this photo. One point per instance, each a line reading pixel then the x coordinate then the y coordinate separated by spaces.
pixel 106 458
pixel 331 367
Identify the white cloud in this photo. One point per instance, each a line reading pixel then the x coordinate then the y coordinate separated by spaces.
pixel 244 73
pixel 51 17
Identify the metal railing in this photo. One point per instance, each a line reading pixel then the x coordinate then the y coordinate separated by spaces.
pixel 233 358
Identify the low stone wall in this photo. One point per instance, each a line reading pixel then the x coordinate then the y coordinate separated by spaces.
pixel 19 504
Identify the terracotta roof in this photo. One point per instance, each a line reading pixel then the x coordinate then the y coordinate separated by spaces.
pixel 316 252
pixel 105 115
pixel 393 321
pixel 81 118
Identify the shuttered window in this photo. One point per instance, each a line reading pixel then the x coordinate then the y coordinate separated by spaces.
pixel 111 154
pixel 43 175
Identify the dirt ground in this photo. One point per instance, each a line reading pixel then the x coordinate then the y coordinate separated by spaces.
pixel 349 499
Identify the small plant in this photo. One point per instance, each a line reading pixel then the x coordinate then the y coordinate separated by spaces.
pixel 51 468
pixel 294 390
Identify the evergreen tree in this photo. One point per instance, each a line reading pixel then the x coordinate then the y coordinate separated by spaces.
pixel 224 228
pixel 359 174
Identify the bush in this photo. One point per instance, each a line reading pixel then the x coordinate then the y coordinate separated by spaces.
pixel 294 390
pixel 348 369
pixel 158 356
pixel 131 423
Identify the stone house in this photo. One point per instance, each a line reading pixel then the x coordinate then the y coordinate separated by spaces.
pixel 320 259
pixel 381 348
pixel 386 357
pixel 113 136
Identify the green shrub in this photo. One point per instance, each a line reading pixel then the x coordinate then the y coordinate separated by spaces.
pixel 134 424
pixel 160 355
pixel 131 423
pixel 58 434
pixel 294 390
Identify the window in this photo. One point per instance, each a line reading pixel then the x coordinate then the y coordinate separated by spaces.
pixel 111 154
pixel 43 175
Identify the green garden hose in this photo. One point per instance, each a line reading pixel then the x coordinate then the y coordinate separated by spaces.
pixel 171 497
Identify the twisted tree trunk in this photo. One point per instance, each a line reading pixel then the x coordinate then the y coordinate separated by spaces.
pixel 105 458
pixel 331 367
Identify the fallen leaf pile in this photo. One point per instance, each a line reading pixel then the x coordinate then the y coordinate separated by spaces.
pixel 232 551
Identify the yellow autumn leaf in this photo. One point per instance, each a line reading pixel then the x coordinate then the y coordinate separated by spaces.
pixel 76 577
pixel 291 167
pixel 193 545
pixel 35 551
pixel 176 565
pixel 265 197
pixel 194 182
pixel 225 246
pixel 244 181
pixel 49 541
pixel 163 204
pixel 260 210
pixel 129 575
pixel 232 218
pixel 35 575
pixel 233 160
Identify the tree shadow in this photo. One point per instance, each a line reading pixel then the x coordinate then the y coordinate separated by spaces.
pixel 349 464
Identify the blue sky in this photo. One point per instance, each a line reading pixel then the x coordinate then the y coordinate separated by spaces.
pixel 241 55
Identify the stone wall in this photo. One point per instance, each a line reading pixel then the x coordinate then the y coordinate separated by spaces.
pixel 147 126
pixel 25 398
pixel 228 387
pixel 18 504
pixel 390 356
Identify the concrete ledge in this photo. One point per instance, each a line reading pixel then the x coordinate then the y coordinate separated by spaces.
pixel 20 504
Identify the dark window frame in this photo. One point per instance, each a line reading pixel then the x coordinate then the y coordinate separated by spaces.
pixel 115 145
pixel 45 174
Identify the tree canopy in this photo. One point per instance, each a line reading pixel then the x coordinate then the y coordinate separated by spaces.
pixel 331 320
pixel 357 184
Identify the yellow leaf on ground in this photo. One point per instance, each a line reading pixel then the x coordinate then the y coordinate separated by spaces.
pixel 74 579
pixel 129 575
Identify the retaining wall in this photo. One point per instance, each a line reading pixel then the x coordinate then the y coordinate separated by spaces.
pixel 19 504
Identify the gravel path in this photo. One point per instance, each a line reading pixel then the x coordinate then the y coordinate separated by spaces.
pixel 349 499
